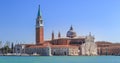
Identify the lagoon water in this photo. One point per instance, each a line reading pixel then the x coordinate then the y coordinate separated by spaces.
pixel 59 59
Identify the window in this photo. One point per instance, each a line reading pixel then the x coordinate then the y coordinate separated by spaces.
pixel 41 22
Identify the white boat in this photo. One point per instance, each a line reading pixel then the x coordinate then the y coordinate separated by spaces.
pixel 35 54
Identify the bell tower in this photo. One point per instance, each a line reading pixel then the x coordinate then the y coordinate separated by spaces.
pixel 52 35
pixel 39 28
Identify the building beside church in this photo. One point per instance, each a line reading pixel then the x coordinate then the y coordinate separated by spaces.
pixel 72 45
pixel 108 48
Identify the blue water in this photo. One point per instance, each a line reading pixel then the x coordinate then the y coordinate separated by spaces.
pixel 59 59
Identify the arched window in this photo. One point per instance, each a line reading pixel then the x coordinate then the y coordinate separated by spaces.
pixel 41 22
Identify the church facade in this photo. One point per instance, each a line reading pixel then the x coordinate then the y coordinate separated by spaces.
pixel 71 45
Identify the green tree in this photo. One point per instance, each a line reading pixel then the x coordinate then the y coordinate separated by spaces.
pixel 6 49
pixel 12 47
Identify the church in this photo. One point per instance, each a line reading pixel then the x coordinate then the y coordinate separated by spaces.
pixel 72 45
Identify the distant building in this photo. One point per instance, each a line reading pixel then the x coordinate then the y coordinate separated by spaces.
pixel 71 45
pixel 108 48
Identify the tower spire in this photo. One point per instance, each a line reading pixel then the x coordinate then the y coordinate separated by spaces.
pixel 52 35
pixel 39 20
pixel 71 28
pixel 59 35
pixel 39 11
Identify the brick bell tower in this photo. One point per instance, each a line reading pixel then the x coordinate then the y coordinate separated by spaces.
pixel 39 28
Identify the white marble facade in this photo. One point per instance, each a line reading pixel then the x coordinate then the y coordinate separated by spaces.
pixel 89 48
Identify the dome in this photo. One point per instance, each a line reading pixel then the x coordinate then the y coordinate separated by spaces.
pixel 71 33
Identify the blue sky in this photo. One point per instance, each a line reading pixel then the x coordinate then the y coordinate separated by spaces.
pixel 100 17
